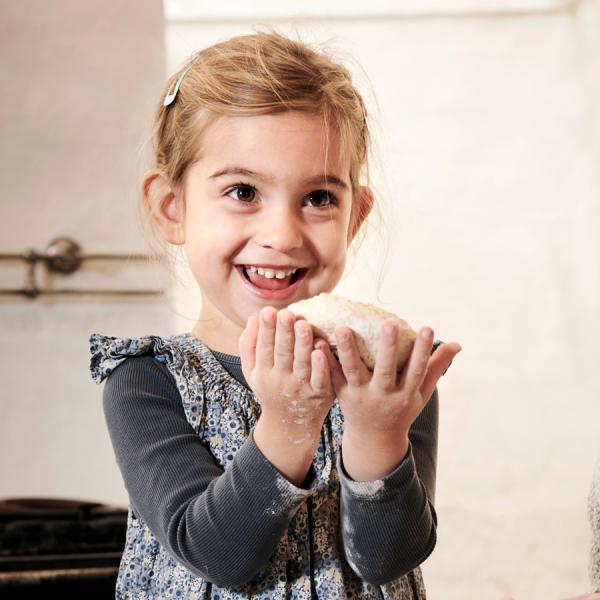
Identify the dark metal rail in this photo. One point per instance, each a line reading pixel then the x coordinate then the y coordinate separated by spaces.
pixel 34 292
pixel 64 256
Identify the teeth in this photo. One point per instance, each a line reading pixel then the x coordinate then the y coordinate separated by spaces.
pixel 270 273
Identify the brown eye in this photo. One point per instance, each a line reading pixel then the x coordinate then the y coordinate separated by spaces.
pixel 243 193
pixel 320 199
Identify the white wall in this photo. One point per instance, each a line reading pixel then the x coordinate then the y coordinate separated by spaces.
pixel 80 80
pixel 488 133
pixel 489 147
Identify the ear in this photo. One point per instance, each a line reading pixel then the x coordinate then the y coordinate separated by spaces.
pixel 164 205
pixel 361 208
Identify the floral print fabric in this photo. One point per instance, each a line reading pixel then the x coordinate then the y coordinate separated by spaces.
pixel 308 562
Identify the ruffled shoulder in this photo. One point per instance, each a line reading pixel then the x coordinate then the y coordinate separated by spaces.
pixel 108 352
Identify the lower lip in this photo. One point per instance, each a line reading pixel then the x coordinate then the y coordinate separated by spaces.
pixel 284 294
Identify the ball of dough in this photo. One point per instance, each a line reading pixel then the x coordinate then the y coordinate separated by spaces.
pixel 326 311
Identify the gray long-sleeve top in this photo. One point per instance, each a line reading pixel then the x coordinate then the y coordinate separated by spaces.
pixel 217 523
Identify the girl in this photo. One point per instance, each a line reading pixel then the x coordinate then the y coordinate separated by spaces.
pixel 257 465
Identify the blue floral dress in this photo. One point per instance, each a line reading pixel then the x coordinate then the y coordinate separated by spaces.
pixel 307 563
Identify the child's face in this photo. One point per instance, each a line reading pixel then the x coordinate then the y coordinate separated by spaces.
pixel 276 213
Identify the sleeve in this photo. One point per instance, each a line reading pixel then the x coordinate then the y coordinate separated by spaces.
pixel 389 525
pixel 222 525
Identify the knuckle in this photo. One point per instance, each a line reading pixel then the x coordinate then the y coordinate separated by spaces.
pixel 302 360
pixel 387 375
pixel 321 383
pixel 352 370
pixel 420 372
pixel 281 352
pixel 300 370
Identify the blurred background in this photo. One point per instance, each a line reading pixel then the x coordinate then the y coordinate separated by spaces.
pixel 486 117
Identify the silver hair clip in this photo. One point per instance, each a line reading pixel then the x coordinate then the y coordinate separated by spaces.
pixel 170 97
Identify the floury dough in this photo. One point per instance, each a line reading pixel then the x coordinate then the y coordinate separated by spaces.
pixel 325 312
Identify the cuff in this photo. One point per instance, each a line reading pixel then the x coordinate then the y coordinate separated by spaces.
pixel 377 489
pixel 252 461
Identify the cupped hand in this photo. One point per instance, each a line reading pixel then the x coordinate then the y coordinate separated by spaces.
pixel 290 378
pixel 385 402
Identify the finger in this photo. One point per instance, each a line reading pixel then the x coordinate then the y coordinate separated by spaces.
pixel 284 340
pixel 320 380
pixel 247 346
pixel 415 370
pixel 265 344
pixel 303 346
pixel 438 364
pixel 335 370
pixel 385 372
pixel 352 366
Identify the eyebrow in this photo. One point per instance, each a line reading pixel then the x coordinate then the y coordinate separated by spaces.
pixel 325 178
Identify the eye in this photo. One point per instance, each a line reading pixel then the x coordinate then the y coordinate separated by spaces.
pixel 321 198
pixel 242 192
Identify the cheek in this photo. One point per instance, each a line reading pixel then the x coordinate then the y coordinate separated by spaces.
pixel 338 234
pixel 334 253
pixel 201 246
pixel 201 227
pixel 210 247
pixel 334 271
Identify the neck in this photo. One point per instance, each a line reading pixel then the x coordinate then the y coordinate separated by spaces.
pixel 218 333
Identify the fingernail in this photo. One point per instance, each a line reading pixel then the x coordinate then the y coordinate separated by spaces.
pixel 427 333
pixel 390 328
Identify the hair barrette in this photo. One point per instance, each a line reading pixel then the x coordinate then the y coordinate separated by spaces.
pixel 170 97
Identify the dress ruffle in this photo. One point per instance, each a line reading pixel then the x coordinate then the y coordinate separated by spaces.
pixel 108 352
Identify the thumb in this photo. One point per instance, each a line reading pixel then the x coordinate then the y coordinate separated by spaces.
pixel 436 367
pixel 337 375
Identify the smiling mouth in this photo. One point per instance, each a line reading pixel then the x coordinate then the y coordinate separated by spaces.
pixel 272 279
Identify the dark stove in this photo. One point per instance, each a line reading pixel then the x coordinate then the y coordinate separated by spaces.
pixel 69 547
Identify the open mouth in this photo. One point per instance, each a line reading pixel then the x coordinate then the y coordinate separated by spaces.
pixel 272 279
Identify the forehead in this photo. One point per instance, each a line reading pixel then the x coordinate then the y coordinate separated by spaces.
pixel 278 145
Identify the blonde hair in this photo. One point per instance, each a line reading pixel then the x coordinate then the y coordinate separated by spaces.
pixel 258 74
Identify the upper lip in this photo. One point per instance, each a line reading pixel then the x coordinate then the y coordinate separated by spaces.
pixel 271 266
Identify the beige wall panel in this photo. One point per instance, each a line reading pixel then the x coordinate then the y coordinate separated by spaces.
pixel 80 80
pixel 488 133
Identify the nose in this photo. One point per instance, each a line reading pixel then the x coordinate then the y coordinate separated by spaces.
pixel 280 230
